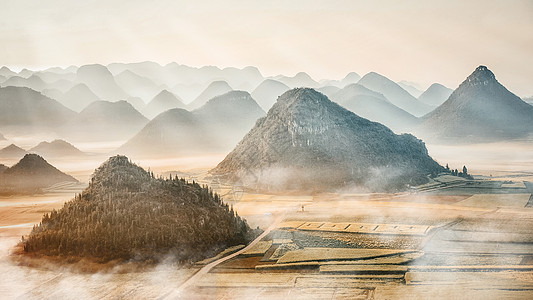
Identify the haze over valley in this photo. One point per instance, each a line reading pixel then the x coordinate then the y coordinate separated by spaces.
pixel 295 150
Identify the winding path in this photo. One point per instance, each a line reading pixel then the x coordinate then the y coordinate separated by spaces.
pixel 177 292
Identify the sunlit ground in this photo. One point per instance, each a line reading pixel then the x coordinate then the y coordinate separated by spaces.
pixel 505 238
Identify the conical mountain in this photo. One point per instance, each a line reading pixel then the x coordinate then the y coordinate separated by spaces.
pixel 126 214
pixel 101 82
pixel 375 107
pixel 78 97
pixel 307 142
pixel 31 173
pixel 175 131
pixel 56 148
pixel 479 109
pixel 395 94
pixel 163 101
pixel 215 88
pixel 268 92
pixel 229 117
pixel 106 120
pixel 12 152
pixel 435 95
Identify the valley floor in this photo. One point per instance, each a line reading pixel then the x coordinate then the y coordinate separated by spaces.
pixel 449 239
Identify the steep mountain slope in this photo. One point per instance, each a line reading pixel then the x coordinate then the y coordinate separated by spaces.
pixel 306 142
pixel 375 107
pixel 479 109
pixel 101 82
pixel 56 148
pixel 214 89
pixel 395 94
pixel 31 174
pixel 268 92
pixel 163 101
pixel 127 214
pixel 27 110
pixel 435 95
pixel 78 97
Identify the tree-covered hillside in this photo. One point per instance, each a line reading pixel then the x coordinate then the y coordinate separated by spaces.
pixel 126 213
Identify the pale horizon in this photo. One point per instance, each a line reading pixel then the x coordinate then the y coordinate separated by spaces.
pixel 417 41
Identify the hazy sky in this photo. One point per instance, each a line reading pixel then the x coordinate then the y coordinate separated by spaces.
pixel 421 41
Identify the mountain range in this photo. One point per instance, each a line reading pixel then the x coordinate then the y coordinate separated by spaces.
pixel 215 127
pixel 395 94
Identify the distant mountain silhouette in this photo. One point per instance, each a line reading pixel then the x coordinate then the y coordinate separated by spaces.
pixel 395 94
pixel 25 110
pixel 53 93
pixel 411 88
pixel 215 127
pixel 188 92
pixel 268 92
pixel 229 117
pixel 301 79
pixel 31 174
pixel 137 103
pixel 2 168
pixel 5 71
pixel 173 132
pixel 56 148
pixel 350 78
pixel 2 137
pixel 78 97
pixel 479 109
pixel 328 90
pixel 215 88
pixel 137 85
pixel 435 95
pixel 101 82
pixel 12 152
pixel 103 120
pixel 374 107
pixel 306 142
pixel 34 82
pixel 163 101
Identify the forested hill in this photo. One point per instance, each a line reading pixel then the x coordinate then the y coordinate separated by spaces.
pixel 126 213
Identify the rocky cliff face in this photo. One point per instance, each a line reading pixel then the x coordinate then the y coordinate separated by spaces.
pixel 308 142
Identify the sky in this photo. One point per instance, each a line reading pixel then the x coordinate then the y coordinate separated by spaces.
pixel 419 41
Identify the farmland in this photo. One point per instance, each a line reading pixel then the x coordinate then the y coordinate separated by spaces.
pixel 474 236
